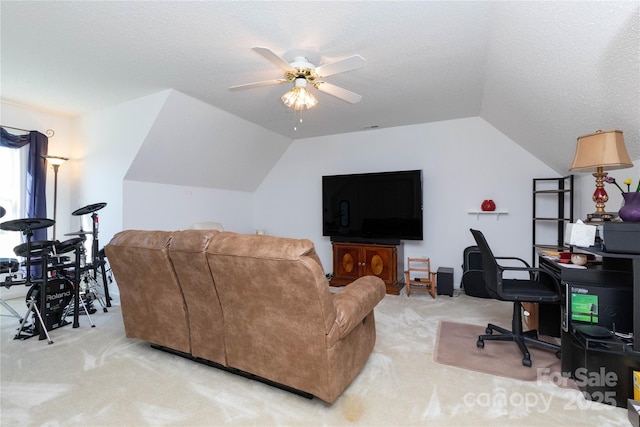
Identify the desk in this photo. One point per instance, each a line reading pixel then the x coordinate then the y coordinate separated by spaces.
pixel 608 259
pixel 611 263
pixel 582 355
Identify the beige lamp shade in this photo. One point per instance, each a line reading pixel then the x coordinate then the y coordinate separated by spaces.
pixel 604 149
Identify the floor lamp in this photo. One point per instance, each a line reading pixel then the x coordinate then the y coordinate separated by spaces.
pixel 55 161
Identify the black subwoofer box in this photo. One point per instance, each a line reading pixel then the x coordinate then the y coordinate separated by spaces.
pixel 444 281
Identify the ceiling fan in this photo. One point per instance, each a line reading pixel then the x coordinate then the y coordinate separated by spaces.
pixel 302 73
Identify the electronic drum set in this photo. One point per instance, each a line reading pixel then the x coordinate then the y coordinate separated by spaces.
pixel 67 284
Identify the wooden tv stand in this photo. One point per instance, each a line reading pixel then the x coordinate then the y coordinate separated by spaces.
pixel 354 260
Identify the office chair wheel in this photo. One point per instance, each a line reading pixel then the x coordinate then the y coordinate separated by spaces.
pixel 526 362
pixel 559 354
pixel 480 343
pixel 488 331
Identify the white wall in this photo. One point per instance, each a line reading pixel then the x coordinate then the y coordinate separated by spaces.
pixel 210 163
pixel 195 144
pixel 106 143
pixel 463 161
pixel 150 206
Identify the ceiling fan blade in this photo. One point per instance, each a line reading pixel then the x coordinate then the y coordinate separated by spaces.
pixel 258 84
pixel 271 56
pixel 338 92
pixel 340 66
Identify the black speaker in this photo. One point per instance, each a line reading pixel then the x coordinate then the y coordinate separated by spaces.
pixel 444 281
pixel 472 281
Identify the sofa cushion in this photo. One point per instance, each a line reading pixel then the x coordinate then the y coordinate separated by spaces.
pixel 187 252
pixel 277 308
pixel 153 308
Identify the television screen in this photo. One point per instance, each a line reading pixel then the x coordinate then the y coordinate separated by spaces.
pixel 379 206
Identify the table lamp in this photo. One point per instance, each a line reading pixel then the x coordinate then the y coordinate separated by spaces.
pixel 600 150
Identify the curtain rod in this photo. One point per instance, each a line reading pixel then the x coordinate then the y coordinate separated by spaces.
pixel 48 132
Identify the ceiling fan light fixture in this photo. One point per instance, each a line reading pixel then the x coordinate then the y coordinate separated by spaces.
pixel 299 98
pixel 301 73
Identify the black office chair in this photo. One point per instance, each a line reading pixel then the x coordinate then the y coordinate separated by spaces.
pixel 541 287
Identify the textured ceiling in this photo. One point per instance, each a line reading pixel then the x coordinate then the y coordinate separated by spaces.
pixel 541 72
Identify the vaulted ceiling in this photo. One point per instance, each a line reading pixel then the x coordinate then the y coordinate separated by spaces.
pixel 543 73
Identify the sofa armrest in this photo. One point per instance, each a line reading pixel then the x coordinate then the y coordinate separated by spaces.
pixel 356 300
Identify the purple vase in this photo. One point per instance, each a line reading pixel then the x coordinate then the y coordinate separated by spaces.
pixel 630 210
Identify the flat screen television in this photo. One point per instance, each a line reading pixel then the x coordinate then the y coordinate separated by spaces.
pixel 381 207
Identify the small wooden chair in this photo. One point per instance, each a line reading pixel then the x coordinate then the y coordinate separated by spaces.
pixel 419 275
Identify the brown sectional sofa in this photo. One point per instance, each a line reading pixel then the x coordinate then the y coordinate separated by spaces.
pixel 256 305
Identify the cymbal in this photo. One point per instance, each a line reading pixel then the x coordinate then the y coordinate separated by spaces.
pixel 89 208
pixel 79 233
pixel 27 224
pixel 2 211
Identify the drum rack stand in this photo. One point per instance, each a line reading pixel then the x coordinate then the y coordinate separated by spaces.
pixel 33 306
pixel 7 283
pixel 84 307
pixel 76 300
pixel 97 256
pixel 33 303
pixel 37 306
pixel 10 309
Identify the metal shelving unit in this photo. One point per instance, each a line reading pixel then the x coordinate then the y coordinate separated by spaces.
pixel 558 192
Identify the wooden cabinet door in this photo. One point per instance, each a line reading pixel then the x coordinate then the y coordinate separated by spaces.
pixel 378 261
pixel 346 261
pixel 352 260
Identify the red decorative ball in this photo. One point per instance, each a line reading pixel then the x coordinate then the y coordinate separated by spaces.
pixel 488 206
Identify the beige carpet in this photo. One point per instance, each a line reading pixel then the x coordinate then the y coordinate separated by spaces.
pixel 456 346
pixel 98 377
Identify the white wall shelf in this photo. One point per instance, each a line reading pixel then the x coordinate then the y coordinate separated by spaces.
pixel 496 213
